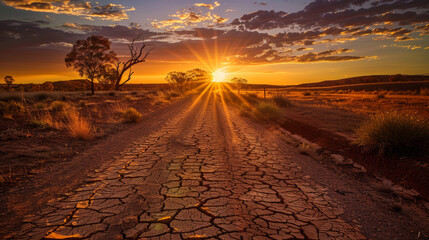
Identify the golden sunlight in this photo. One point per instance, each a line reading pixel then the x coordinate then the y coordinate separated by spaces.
pixel 219 76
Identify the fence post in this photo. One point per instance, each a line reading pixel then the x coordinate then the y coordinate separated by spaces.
pixel 265 95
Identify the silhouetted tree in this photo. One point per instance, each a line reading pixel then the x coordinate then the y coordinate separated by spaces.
pixel 90 57
pixel 198 76
pixel 177 79
pixel 9 80
pixel 137 55
pixel 239 83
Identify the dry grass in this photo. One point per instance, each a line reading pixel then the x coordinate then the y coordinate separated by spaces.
pixel 131 115
pixel 59 106
pixel 45 120
pixel 79 127
pixel 395 134
pixel 119 107
pixel 268 111
pixel 281 101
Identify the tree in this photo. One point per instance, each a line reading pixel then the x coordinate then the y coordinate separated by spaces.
pixel 137 55
pixel 198 76
pixel 239 83
pixel 9 80
pixel 177 79
pixel 90 57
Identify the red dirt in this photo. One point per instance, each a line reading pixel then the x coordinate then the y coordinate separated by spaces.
pixel 406 172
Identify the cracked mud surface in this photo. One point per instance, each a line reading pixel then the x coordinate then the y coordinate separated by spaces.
pixel 207 174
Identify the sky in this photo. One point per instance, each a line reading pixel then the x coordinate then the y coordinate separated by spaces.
pixel 279 42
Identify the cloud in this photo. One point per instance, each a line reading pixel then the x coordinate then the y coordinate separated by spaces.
pixel 200 13
pixel 344 13
pixel 209 6
pixel 56 44
pixel 260 3
pixel 114 12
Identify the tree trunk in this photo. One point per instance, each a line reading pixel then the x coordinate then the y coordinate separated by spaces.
pixel 92 86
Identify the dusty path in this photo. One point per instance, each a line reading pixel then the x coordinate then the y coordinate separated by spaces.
pixel 206 174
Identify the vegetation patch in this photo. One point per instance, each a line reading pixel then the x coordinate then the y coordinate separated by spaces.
pixel 395 134
pixel 282 101
pixel 59 106
pixel 268 111
pixel 131 115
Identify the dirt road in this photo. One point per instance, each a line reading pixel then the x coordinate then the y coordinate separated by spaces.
pixel 207 173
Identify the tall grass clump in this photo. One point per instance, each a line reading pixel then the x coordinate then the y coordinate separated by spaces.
pixel 45 120
pixel 59 106
pixel 268 111
pixel 79 127
pixel 395 134
pixel 281 101
pixel 131 115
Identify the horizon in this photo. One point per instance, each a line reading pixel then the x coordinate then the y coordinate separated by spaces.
pixel 265 42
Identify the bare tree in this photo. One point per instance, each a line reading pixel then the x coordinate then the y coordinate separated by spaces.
pixel 9 80
pixel 137 55
pixel 90 57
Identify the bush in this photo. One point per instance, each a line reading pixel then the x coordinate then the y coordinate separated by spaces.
pixel 59 106
pixel 268 111
pixel 39 106
pixel 380 96
pixel 112 94
pixel 251 98
pixel 11 107
pixel 424 91
pixel 131 115
pixel 281 101
pixel 8 98
pixel 395 134
pixel 41 96
pixel 309 93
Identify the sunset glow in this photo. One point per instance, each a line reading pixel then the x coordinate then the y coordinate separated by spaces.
pixel 219 76
pixel 270 42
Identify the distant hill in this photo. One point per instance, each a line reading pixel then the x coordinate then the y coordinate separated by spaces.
pixel 366 80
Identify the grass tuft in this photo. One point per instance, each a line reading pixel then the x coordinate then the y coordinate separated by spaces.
pixel 131 115
pixel 395 134
pixel 281 101
pixel 78 126
pixel 268 111
pixel 59 106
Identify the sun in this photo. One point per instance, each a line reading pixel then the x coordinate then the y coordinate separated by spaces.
pixel 219 76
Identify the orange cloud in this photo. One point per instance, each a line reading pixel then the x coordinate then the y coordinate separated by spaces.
pixel 114 12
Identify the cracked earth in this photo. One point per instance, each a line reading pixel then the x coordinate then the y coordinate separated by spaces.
pixel 207 174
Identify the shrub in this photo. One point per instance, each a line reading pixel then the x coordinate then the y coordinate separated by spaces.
pixel 59 106
pixel 78 126
pixel 8 98
pixel 395 134
pixel 424 91
pixel 12 107
pixel 309 93
pixel 131 115
pixel 266 110
pixel 174 94
pixel 39 106
pixel 112 94
pixel 251 98
pixel 45 120
pixel 129 98
pixel 380 96
pixel 281 101
pixel 41 96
